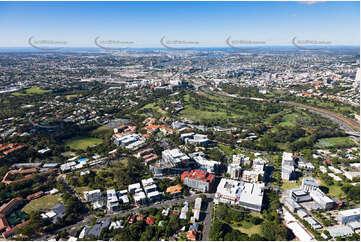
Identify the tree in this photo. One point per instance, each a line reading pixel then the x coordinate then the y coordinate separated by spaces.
pixel 221 211
pixel 235 235
pixel 148 234
pixel 274 231
pixel 219 230
pixel 256 237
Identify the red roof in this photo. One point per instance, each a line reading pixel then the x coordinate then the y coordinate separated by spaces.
pixel 131 219
pixel 192 235
pixel 198 175
pixel 150 220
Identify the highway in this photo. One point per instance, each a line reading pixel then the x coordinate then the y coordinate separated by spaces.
pixel 350 126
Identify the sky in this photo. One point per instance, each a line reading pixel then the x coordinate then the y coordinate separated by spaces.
pixel 203 24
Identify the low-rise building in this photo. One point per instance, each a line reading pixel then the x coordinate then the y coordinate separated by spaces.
pixel 248 195
pixel 309 184
pixel 352 174
pixel 173 162
pixel 314 224
pixel 340 231
pixel 195 139
pixel 140 198
pixel 112 201
pixel 299 195
pixel 297 228
pixel 198 203
pixel 184 211
pixel 323 169
pixel 234 170
pixel 133 187
pixel 93 196
pixel 292 205
pixel 56 213
pixel 346 216
pixel 174 190
pixel 320 198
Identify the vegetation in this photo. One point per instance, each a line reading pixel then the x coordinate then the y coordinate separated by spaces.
pixel 238 224
pixel 335 142
pixel 42 203
pixel 30 91
pixel 82 143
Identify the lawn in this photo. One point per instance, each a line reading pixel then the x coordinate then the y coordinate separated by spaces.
pixel 82 142
pixel 228 150
pixel 123 162
pixel 45 202
pixel 335 142
pixel 30 91
pixel 289 185
pixel 81 190
pixel 333 190
pixel 154 107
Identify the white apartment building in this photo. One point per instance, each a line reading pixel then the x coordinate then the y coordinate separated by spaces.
pixel 287 166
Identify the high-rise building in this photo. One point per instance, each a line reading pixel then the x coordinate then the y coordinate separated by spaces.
pixel 288 166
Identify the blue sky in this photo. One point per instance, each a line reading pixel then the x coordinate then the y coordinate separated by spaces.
pixel 209 23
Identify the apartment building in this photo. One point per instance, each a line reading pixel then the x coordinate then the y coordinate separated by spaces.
pixel 199 180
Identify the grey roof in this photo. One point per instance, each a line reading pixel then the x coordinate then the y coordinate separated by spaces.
pixel 98 227
pixel 194 227
pixel 292 203
pixel 59 208
pixel 354 225
pixel 309 181
pixel 340 231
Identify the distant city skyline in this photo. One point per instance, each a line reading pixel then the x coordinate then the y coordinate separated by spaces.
pixel 177 24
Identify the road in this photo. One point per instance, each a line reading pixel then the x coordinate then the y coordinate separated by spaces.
pixel 162 204
pixel 207 222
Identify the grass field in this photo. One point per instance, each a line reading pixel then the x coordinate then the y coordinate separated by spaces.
pixel 30 91
pixel 82 142
pixel 68 97
pixel 290 120
pixel 335 142
pixel 196 114
pixel 45 202
pixel 68 154
pixel 247 228
pixel 102 130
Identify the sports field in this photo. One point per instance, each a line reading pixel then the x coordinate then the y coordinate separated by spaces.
pixel 335 142
pixel 30 91
pixel 45 202
pixel 82 142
